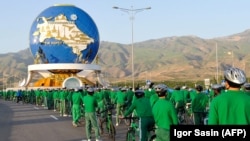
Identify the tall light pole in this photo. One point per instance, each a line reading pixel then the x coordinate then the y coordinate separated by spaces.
pixel 132 13
pixel 217 65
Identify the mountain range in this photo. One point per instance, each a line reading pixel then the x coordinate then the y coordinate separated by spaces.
pixel 170 58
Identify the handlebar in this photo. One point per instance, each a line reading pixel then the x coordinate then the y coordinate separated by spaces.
pixel 131 118
pixel 109 107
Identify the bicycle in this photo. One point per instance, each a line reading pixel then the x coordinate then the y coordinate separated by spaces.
pixel 204 117
pixel 183 117
pixel 189 114
pixel 152 135
pixel 108 120
pixel 133 130
pixel 126 121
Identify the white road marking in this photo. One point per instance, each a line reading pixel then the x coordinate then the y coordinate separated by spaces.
pixel 54 117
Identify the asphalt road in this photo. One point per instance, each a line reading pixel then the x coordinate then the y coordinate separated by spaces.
pixel 26 122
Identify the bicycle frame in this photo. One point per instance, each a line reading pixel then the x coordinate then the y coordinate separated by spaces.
pixel 152 135
pixel 122 111
pixel 132 129
pixel 108 120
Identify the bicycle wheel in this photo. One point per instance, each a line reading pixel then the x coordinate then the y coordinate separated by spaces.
pixel 130 135
pixel 99 121
pixel 189 119
pixel 153 138
pixel 112 131
pixel 180 118
pixel 127 121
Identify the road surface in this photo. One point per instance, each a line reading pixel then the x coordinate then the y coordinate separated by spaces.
pixel 26 122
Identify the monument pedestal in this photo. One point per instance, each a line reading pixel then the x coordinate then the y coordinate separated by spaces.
pixel 62 75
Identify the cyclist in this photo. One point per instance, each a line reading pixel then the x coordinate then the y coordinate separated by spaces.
pixel 163 120
pixel 99 95
pixel 216 90
pixel 199 104
pixel 129 96
pixel 55 98
pixel 178 99
pixel 247 88
pixel 62 97
pixel 232 106
pixel 149 89
pixel 185 91
pixel 144 111
pixel 120 103
pixel 76 99
pixel 90 104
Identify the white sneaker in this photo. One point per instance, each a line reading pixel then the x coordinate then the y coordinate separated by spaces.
pixel 116 124
pixel 98 140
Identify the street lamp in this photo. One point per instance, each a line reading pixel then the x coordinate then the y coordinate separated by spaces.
pixel 217 65
pixel 132 13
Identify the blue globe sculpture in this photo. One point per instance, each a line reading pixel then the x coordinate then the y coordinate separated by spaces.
pixel 64 34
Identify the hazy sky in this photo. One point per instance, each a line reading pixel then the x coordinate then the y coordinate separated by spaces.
pixel 203 18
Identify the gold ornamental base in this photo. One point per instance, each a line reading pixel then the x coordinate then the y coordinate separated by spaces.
pixel 56 80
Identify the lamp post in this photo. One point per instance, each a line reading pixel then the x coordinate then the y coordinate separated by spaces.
pixel 217 65
pixel 3 81
pixel 132 13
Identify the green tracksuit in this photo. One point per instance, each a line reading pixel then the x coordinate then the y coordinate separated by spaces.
pixel 178 99
pixel 192 94
pixel 106 96
pixel 56 100
pixel 62 96
pixel 32 96
pixel 164 115
pixel 247 92
pixel 77 100
pixel 50 99
pixel 38 97
pixel 101 103
pixel 149 92
pixel 91 104
pixel 186 95
pixel 113 96
pixel 199 103
pixel 144 112
pixel 211 95
pixel 44 94
pixel 120 101
pixel 153 98
pixel 230 107
pixel 130 95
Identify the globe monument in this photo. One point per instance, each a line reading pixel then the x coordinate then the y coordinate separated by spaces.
pixel 64 41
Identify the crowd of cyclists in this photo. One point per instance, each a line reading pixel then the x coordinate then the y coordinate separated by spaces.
pixel 155 104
